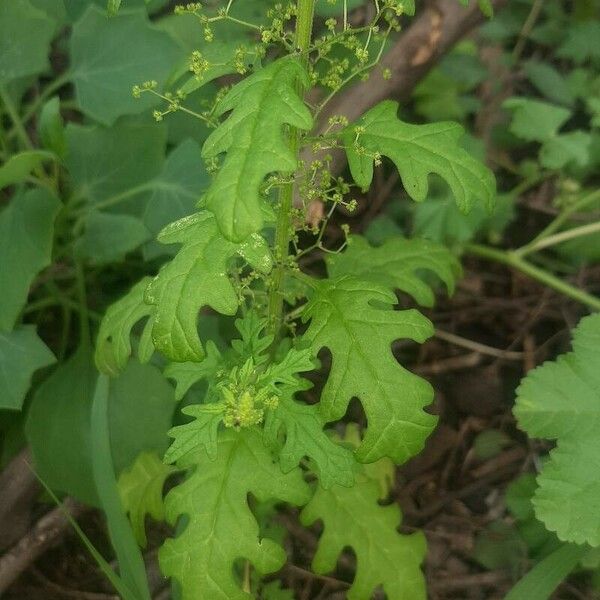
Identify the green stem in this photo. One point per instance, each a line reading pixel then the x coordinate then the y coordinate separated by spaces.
pixel 120 197
pixel 84 320
pixel 14 117
pixel 52 87
pixel 284 232
pixel 517 262
pixel 558 238
pixel 561 219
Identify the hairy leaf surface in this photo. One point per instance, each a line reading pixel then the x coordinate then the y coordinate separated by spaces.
pixel 561 401
pixel 196 277
pixel 220 527
pixel 396 264
pixel 359 335
pixel 417 151
pixel 352 517
pixel 253 139
pixel 141 491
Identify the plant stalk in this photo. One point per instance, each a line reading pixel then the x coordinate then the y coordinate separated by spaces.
pixel 564 216
pixel 15 118
pixel 283 231
pixel 559 238
pixel 517 262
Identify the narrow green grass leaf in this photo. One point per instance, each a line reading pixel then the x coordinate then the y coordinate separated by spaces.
pixel 130 559
pixel 104 566
pixel 545 577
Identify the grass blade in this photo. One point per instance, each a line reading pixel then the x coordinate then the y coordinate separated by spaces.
pixel 545 577
pixel 108 571
pixel 131 563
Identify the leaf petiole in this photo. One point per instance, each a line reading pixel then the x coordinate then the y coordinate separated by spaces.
pixel 512 259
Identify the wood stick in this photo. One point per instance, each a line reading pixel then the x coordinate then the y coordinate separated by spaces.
pixel 45 534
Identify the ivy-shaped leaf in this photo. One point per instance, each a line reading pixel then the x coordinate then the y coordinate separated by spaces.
pixel 353 518
pixel 220 527
pixel 254 142
pixel 108 165
pixel 141 406
pixel 196 277
pixel 417 151
pixel 26 238
pixel 561 401
pixel 113 346
pixel 359 335
pixel 22 353
pixel 25 36
pixel 110 55
pixel 141 491
pixel 304 436
pixel 108 237
pixel 175 192
pixel 396 264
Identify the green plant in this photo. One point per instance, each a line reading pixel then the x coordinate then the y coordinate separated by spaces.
pixel 199 373
pixel 251 411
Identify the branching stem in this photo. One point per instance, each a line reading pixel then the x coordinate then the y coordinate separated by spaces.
pixel 15 118
pixel 517 262
pixel 559 238
pixel 563 217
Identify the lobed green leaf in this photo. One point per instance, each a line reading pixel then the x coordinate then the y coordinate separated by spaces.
pixel 196 277
pixel 417 151
pixel 353 319
pixel 141 491
pixel 561 401
pixel 253 140
pixel 186 374
pixel 353 518
pixel 113 345
pixel 396 264
pixel 304 436
pixel 219 525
